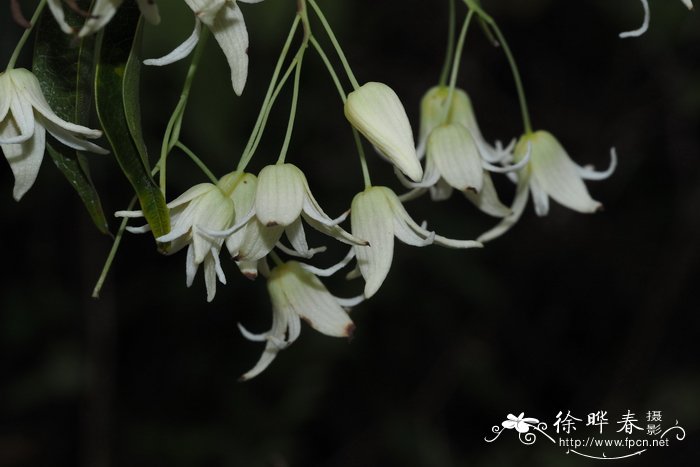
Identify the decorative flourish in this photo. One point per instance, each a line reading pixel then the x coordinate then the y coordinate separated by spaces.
pixel 522 425
pixel 679 436
pixel 605 458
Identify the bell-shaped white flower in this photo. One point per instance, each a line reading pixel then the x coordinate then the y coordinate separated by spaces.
pixel 101 14
pixel 25 117
pixel 550 173
pixel 225 21
pixel 378 216
pixel 458 156
pixel 194 215
pixel 297 294
pixel 282 198
pixel 376 111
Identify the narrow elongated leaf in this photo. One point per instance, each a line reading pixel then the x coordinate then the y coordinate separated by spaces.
pixel 65 70
pixel 132 101
pixel 115 44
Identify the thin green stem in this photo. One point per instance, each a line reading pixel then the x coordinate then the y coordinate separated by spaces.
pixel 25 36
pixel 329 67
pixel 267 102
pixel 258 137
pixel 335 43
pixel 516 77
pixel 343 96
pixel 363 159
pixel 112 252
pixel 456 62
pixel 202 166
pixel 293 110
pixel 172 130
pixel 475 6
pixel 450 44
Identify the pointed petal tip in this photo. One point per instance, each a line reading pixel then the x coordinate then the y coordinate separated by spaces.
pixel 250 275
pixel 350 331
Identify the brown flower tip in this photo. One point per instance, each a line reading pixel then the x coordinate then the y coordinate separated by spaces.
pixel 350 330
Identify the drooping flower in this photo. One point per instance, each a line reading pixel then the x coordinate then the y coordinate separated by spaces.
pixel 298 294
pixel 550 172
pixel 100 14
pixel 277 202
pixel 378 216
pixel 376 111
pixel 225 20
pixel 194 215
pixel 25 116
pixel 520 423
pixel 458 156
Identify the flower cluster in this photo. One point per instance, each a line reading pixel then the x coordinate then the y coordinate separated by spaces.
pixel 260 219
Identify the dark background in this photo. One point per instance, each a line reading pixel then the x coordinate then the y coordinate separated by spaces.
pixel 567 312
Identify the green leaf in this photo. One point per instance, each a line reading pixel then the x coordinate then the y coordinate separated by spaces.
pixel 65 70
pixel 118 44
pixel 132 101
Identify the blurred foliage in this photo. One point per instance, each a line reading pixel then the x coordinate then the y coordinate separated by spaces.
pixel 568 312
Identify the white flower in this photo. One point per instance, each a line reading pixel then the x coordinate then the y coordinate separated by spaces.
pixel 458 156
pixel 276 203
pixel 378 216
pixel 194 215
pixel 521 424
pixel 101 14
pixel 25 116
pixel 225 20
pixel 549 173
pixel 298 294
pixel 376 111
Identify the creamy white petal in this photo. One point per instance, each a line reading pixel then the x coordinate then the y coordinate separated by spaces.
pixel 6 92
pixel 258 241
pixel 372 219
pixel 28 87
pixel 441 190
pixel 138 230
pixel 297 237
pixel 645 23
pixel 327 272
pixel 22 119
pixel 687 3
pixel 67 138
pixel 334 231
pixel 589 173
pixel 56 7
pixel 25 159
pixel 539 198
pixel 194 192
pixel 279 198
pixel 181 51
pixel 456 156
pixel 376 111
pixel 190 266
pixel 230 32
pixel 101 13
pixel 402 218
pixel 210 278
pixel 312 302
pixel 557 175
pixel 248 268
pixel 412 194
pixel 214 212
pixel 487 199
pixel 519 202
